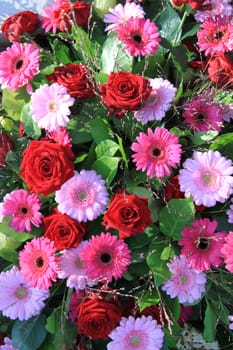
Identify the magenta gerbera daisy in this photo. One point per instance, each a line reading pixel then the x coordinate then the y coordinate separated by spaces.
pixel 216 35
pixel 121 14
pixel 50 106
pixel 156 152
pixel 24 208
pixel 227 252
pixel 202 245
pixel 38 263
pixel 141 333
pixel 19 64
pixel 186 283
pixel 201 115
pixel 17 298
pixel 207 178
pixel 105 257
pixel 158 102
pixel 83 197
pixel 140 36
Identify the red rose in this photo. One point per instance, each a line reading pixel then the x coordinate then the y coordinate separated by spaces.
pixel 195 4
pixel 77 79
pixel 127 213
pixel 63 230
pixel 46 166
pixel 22 22
pixel 77 12
pixel 98 315
pixel 219 69
pixel 5 145
pixel 124 92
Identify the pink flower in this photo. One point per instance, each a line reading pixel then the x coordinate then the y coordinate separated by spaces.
pixel 51 19
pixel 105 257
pixel 207 178
pixel 140 36
pixel 202 245
pixel 60 136
pixel 212 8
pixel 156 152
pixel 24 207
pixel 230 213
pixel 216 35
pixel 7 344
pixel 186 283
pixel 38 264
pixel 19 64
pixel 227 252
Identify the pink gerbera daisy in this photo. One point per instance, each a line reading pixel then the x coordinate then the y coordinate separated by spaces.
pixel 19 64
pixel 227 112
pixel 212 8
pixel 202 245
pixel 186 283
pixel 24 208
pixel 121 14
pixel 50 106
pixel 7 344
pixel 207 178
pixel 156 152
pixel 227 251
pixel 201 115
pixel 141 333
pixel 60 136
pixel 158 102
pixel 38 264
pixel 50 19
pixel 105 257
pixel 17 298
pixel 216 35
pixel 83 197
pixel 140 36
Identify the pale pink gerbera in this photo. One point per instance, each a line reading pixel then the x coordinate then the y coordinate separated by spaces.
pixel 19 64
pixel 121 14
pixel 38 263
pixel 230 213
pixel 186 283
pixel 140 36
pixel 50 19
pixel 212 8
pixel 24 208
pixel 156 152
pixel 83 197
pixel 202 245
pixel 17 298
pixel 158 102
pixel 50 106
pixel 7 344
pixel 105 257
pixel 216 35
pixel 227 252
pixel 141 333
pixel 72 268
pixel 207 178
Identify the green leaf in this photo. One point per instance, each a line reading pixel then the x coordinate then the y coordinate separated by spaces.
pixel 179 58
pixel 106 167
pixel 202 137
pixel 79 134
pixel 31 128
pixel 168 22
pixel 9 255
pixel 190 29
pixel 175 216
pixel 13 101
pixel 148 298
pixel 224 144
pixel 106 148
pixel 114 58
pixel 210 322
pixel 85 47
pixel 100 130
pixel 30 334
pixel 11 233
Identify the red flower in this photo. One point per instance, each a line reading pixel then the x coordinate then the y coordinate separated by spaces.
pixel 77 79
pixel 22 22
pixel 5 145
pixel 46 166
pixel 195 4
pixel 77 12
pixel 127 213
pixel 63 230
pixel 219 69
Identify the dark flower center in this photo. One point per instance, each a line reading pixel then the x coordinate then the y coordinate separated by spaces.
pixel 156 152
pixel 200 117
pixel 137 38
pixel 203 243
pixel 219 35
pixel 105 258
pixel 19 64
pixel 39 261
pixel 24 210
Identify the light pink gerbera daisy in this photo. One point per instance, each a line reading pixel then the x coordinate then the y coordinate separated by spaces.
pixel 121 14
pixel 72 268
pixel 212 8
pixel 141 333
pixel 186 283
pixel 201 115
pixel 140 36
pixel 17 298
pixel 158 102
pixel 156 152
pixel 38 264
pixel 227 252
pixel 24 208
pixel 19 64
pixel 105 257
pixel 230 213
pixel 216 35
pixel 227 112
pixel 207 178
pixel 49 19
pixel 202 245
pixel 83 197
pixel 50 106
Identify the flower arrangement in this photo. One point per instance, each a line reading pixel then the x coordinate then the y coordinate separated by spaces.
pixel 116 176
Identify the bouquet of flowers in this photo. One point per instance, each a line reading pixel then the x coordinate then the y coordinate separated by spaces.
pixel 116 176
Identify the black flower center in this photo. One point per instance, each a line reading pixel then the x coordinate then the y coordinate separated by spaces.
pixel 200 117
pixel 39 261
pixel 203 243
pixel 19 64
pixel 24 210
pixel 137 38
pixel 219 35
pixel 156 152
pixel 105 258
